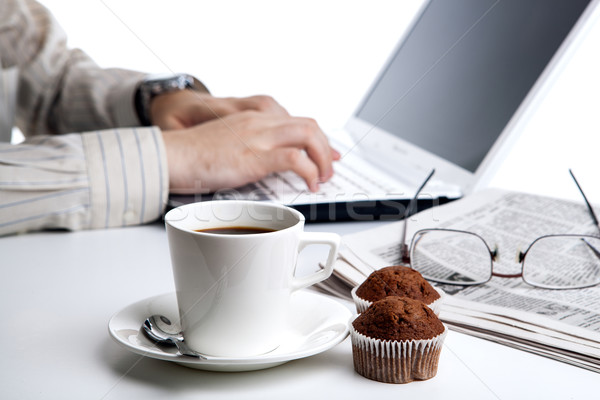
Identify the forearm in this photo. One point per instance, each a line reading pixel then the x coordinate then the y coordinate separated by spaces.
pixel 83 181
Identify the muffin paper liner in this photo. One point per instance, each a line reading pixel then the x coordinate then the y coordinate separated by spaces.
pixel 393 361
pixel 362 305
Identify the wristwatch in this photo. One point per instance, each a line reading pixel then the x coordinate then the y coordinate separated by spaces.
pixel 154 85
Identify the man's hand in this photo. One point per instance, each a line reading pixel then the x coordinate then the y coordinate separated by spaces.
pixel 186 108
pixel 243 147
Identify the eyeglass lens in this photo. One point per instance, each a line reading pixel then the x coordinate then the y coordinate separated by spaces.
pixel 563 262
pixel 451 257
pixel 553 262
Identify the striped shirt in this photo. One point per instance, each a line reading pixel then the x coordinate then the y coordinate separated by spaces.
pixel 100 177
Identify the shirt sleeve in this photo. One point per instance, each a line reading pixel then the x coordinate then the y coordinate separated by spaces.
pixel 61 90
pixel 99 179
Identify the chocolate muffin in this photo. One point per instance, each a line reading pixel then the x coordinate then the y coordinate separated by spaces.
pixel 396 280
pixel 397 340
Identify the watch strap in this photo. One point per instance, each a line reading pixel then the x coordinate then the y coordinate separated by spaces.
pixel 153 86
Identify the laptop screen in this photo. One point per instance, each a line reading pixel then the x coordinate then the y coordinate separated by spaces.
pixel 463 70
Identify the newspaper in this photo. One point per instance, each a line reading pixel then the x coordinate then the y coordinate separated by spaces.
pixel 561 324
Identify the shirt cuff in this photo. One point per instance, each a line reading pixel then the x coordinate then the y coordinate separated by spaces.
pixel 128 176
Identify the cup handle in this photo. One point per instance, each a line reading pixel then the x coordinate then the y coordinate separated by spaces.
pixel 308 238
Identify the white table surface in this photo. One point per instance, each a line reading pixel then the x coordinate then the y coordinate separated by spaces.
pixel 58 291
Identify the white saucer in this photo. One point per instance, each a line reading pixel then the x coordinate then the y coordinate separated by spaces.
pixel 317 323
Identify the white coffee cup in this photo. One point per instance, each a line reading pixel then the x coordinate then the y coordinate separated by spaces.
pixel 233 291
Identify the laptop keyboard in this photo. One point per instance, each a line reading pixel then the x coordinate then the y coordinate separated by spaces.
pixel 351 181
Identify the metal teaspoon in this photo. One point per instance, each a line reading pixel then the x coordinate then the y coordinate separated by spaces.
pixel 160 329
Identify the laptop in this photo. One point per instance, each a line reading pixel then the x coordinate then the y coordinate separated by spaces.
pixel 453 96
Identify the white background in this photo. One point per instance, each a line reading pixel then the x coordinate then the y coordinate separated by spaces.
pixel 317 58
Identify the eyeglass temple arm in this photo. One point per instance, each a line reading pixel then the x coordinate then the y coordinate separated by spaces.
pixel 587 203
pixel 592 213
pixel 592 248
pixel 404 256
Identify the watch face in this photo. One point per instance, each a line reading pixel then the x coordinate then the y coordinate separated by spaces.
pixel 170 81
pixel 164 76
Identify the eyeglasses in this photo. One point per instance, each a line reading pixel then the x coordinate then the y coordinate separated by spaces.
pixel 457 257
